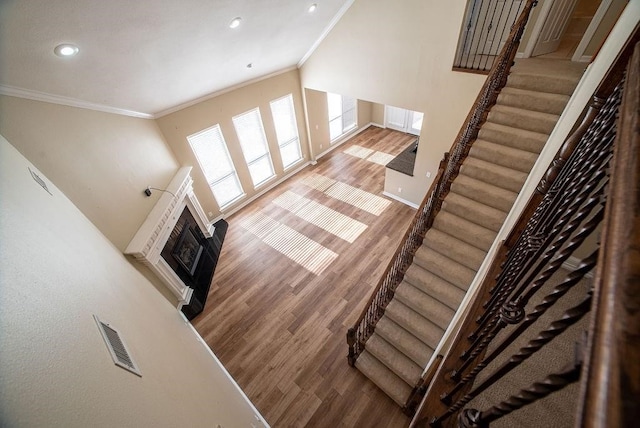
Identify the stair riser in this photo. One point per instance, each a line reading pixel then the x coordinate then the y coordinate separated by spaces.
pixel 443 267
pixel 394 360
pixel 511 180
pixel 404 341
pixel 501 200
pixel 471 233
pixel 487 217
pixel 522 121
pixel 534 102
pixel 549 84
pixel 430 308
pixel 522 163
pixel 511 137
pixel 436 287
pixel 415 324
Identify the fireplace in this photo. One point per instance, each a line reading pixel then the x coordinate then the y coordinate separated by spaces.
pixel 173 230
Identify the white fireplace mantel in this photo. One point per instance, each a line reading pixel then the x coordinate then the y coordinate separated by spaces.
pixel 148 242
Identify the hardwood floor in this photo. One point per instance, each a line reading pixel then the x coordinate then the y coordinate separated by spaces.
pixel 279 328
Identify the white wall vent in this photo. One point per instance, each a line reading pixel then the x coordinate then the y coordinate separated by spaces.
pixel 116 347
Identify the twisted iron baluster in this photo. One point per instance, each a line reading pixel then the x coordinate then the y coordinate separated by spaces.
pixel 549 300
pixel 569 318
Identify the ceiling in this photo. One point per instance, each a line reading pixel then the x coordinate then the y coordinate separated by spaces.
pixel 146 58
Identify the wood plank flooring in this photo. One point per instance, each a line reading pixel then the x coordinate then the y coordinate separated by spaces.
pixel 279 328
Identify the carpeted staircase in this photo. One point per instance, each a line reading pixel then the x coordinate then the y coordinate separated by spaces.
pixel 472 213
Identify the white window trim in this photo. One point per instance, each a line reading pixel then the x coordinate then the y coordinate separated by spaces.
pixel 266 143
pixel 233 172
pixel 293 140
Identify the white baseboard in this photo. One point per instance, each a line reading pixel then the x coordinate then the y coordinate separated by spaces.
pixel 378 125
pixel 404 201
pixel 262 192
pixel 572 264
pixel 585 58
pixel 520 55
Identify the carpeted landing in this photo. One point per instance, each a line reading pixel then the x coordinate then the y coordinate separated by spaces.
pixel 473 212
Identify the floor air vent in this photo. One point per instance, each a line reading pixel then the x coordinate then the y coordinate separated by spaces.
pixel 116 347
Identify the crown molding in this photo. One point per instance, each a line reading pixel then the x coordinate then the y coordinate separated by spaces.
pixel 67 101
pixel 222 91
pixel 326 31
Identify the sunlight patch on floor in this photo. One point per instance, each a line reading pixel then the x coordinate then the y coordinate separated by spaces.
pixel 381 158
pixel 318 182
pixel 344 192
pixel 358 151
pixel 259 224
pixel 299 248
pixel 359 198
pixel 329 220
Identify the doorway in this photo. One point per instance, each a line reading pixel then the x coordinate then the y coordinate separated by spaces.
pixel 403 120
pixel 572 29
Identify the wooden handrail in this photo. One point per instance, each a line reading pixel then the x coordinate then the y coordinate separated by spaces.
pixel 430 206
pixel 611 375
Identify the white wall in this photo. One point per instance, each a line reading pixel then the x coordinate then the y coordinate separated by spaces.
pixel 400 54
pixel 102 161
pixel 56 270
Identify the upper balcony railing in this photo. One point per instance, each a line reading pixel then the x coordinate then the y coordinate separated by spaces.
pixel 486 28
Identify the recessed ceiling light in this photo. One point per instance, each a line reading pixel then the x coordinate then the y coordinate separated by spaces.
pixel 66 49
pixel 235 22
pixel 313 8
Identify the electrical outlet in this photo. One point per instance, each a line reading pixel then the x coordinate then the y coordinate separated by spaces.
pixel 399 189
pixel 428 174
pixel 320 145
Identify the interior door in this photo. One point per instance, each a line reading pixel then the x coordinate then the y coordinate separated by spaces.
pixel 403 120
pixel 396 118
pixel 554 27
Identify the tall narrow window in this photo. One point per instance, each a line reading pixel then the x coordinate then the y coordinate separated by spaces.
pixel 215 162
pixel 342 115
pixel 254 145
pixel 284 119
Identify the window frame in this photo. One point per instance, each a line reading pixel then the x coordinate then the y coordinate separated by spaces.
pixel 344 130
pixel 232 173
pixel 266 154
pixel 295 139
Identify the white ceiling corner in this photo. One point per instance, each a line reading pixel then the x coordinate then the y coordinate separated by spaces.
pixel 145 59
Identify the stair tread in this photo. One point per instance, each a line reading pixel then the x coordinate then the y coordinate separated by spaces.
pixel 454 248
pixel 438 288
pixel 475 212
pixel 395 360
pixel 444 267
pixel 471 233
pixel 533 100
pixel 539 81
pixel 510 136
pixel 488 194
pixel 524 119
pixel 427 306
pixel 489 172
pixel 425 330
pixel 385 379
pixel 503 155
pixel 404 341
